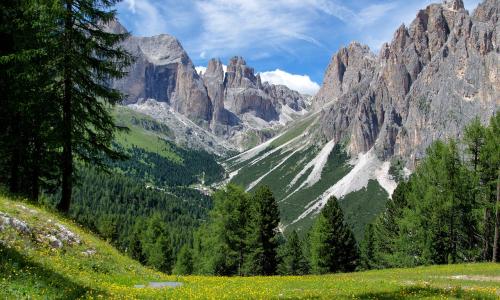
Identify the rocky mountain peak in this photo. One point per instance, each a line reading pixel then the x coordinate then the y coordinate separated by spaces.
pixel 454 4
pixel 428 83
pixel 239 74
pixel 214 70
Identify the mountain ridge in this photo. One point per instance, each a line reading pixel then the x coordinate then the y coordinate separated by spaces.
pixel 375 115
pixel 233 104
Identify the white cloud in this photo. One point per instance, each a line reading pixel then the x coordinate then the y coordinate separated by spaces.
pixel 201 69
pixel 301 83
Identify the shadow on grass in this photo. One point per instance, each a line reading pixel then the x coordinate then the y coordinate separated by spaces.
pixel 19 277
pixel 416 292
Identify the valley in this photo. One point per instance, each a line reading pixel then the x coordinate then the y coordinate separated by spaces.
pixel 153 165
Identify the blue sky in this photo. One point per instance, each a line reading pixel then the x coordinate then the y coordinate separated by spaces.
pixel 294 36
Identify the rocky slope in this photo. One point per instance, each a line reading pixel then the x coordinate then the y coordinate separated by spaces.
pixel 234 105
pixel 427 84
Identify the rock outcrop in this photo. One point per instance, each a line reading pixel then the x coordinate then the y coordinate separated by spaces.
pixel 432 79
pixel 163 71
pixel 222 102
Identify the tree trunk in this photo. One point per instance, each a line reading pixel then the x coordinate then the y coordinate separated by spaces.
pixel 67 155
pixel 497 223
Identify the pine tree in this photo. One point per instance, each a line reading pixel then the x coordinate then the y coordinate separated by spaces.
pixel 262 234
pixel 157 245
pixel 294 261
pixel 28 147
pixel 368 248
pixel 223 246
pixel 87 59
pixel 184 264
pixel 333 247
pixel 135 243
pixel 490 177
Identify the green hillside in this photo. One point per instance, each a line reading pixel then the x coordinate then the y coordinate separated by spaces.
pixel 287 159
pixel 33 265
pixel 144 132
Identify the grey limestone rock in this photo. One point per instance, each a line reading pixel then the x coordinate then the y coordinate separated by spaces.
pixel 427 84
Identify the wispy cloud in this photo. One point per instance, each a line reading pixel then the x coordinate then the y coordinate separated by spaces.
pixel 145 17
pixel 262 30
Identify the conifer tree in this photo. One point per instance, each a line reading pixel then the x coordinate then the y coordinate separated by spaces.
pixel 262 234
pixel 87 59
pixel 157 245
pixel 333 247
pixel 223 248
pixel 367 248
pixel 294 261
pixel 490 177
pixel 184 263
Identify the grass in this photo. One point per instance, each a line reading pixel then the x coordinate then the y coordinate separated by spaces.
pixel 144 132
pixel 31 269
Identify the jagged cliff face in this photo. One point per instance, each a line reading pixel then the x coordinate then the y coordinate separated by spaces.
pixel 164 72
pixel 230 104
pixel 427 84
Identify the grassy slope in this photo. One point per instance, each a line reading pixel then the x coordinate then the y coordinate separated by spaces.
pixel 150 140
pixel 30 269
pixel 360 207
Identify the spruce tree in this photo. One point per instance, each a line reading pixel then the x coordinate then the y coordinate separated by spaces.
pixel 490 177
pixel 29 118
pixel 157 245
pixel 367 248
pixel 184 263
pixel 223 247
pixel 87 59
pixel 262 234
pixel 294 261
pixel 333 247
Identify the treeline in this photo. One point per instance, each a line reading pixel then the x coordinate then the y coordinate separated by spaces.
pixel 196 165
pixel 448 210
pixel 56 60
pixel 243 237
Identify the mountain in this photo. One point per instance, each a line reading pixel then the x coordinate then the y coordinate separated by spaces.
pixel 375 115
pixel 233 105
pixel 432 79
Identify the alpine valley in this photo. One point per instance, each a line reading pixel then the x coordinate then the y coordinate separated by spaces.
pixel 365 130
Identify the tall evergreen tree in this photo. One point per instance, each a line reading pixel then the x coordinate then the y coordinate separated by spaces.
pixel 262 234
pixel 157 245
pixel 223 246
pixel 184 264
pixel 294 261
pixel 87 59
pixel 490 179
pixel 367 248
pixel 333 247
pixel 29 118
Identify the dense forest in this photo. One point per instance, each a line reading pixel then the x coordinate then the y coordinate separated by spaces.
pixel 448 210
